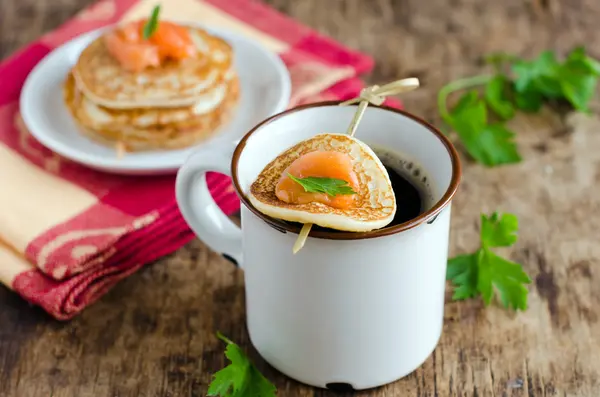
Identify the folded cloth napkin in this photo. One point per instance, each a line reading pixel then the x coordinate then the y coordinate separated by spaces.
pixel 68 233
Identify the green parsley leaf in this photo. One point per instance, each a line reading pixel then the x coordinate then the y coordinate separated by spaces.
pixel 484 277
pixel 488 144
pixel 240 378
pixel 574 80
pixel 468 118
pixel 462 270
pixel 499 231
pixel 495 95
pixel 152 24
pixel 330 186
pixel 578 88
pixel 507 277
pixel 529 101
pixel 469 102
pixel 539 75
pixel 484 272
pixel 497 146
pixel 578 78
pixel 578 59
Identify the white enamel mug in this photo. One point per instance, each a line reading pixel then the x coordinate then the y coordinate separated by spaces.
pixel 350 310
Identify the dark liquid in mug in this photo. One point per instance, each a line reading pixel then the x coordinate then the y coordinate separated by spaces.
pixel 409 200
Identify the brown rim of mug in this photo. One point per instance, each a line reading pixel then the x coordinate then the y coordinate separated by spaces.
pixel 385 231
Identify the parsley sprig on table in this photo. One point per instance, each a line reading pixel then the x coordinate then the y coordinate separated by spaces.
pixel 517 84
pixel 483 271
pixel 240 378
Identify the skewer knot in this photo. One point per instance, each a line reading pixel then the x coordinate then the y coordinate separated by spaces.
pixel 370 94
pixel 376 94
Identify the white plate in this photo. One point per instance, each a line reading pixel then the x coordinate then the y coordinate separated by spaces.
pixel 265 90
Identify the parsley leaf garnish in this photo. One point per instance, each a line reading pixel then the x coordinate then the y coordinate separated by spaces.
pixel 330 186
pixel 240 378
pixel 517 84
pixel 484 271
pixel 152 24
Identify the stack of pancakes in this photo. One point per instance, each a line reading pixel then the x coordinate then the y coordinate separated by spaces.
pixel 172 106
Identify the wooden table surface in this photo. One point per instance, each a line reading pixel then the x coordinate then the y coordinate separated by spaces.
pixel 153 334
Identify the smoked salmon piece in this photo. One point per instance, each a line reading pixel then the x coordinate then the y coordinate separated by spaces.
pixel 134 53
pixel 132 56
pixel 324 164
pixel 132 32
pixel 173 41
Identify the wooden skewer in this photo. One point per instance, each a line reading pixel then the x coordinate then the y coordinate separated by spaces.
pixel 302 236
pixel 375 95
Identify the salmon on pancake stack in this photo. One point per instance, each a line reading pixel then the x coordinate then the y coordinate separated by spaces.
pixel 330 180
pixel 153 84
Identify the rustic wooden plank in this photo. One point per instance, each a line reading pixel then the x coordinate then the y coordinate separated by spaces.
pixel 153 335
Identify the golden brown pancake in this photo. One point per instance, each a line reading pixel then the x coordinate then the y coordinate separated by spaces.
pixel 175 84
pixel 375 204
pixel 101 117
pixel 176 134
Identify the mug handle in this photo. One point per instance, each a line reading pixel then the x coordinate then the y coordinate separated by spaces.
pixel 199 209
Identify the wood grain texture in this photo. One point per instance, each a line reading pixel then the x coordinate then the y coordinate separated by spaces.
pixel 153 334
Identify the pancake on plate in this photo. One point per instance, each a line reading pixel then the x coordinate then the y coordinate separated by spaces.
pixel 153 84
pixel 330 180
pixel 152 128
